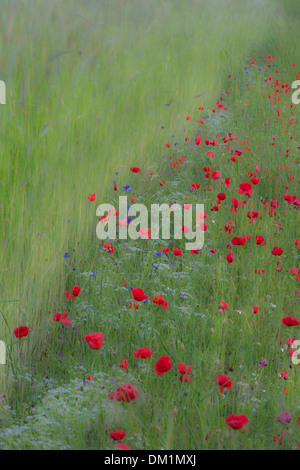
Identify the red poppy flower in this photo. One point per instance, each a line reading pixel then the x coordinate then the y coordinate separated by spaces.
pixel 145 233
pixel 230 257
pixel 177 252
pixel 290 321
pixel 92 197
pixel 65 320
pixel 229 228
pixel 284 417
pixel 290 341
pixel 122 446
pixel 21 332
pixel 164 249
pixel 255 309
pixel 255 180
pixel 293 353
pixel 57 317
pixel 245 188
pixel 288 198
pixel 284 374
pixel 215 175
pixel 238 241
pixel 259 240
pixel 274 204
pixel 124 364
pixel 138 294
pixel 143 353
pixel 108 247
pixel 223 306
pixel 117 434
pixel 236 421
pixel 224 382
pixel 184 371
pixel 162 365
pixel 227 182
pixel 253 215
pixel 198 140
pixel 135 169
pixel 235 205
pixel 94 340
pixel 76 291
pixel 277 251
pixel 124 393
pixel 68 295
pixel 158 300
pixel 201 216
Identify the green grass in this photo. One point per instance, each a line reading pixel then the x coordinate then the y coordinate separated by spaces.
pixel 87 85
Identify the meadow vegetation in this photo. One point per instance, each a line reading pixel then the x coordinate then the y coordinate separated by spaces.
pixel 93 89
